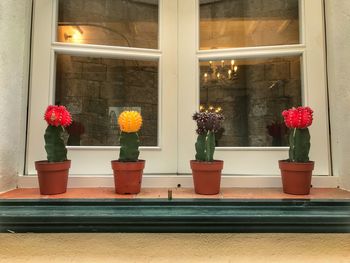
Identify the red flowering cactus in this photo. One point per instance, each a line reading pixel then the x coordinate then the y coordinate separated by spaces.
pixel 57 117
pixel 298 120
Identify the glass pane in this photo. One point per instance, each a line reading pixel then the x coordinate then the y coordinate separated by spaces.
pixel 96 90
pixel 243 23
pixel 251 94
pixel 128 23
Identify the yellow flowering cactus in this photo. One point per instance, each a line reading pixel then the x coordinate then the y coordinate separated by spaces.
pixel 130 123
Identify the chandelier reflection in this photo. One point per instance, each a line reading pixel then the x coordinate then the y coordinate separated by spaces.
pixel 217 72
pixel 210 108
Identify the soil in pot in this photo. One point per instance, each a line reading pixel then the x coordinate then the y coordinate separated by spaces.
pixel 53 177
pixel 207 176
pixel 296 177
pixel 128 176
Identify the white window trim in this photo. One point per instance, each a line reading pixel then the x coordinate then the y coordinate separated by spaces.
pixel 160 159
pixel 255 160
pixel 183 64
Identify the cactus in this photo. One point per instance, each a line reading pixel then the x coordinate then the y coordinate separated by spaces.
pixel 298 120
pixel 54 144
pixel 57 117
pixel 200 147
pixel 130 123
pixel 299 141
pixel 208 123
pixel 129 150
pixel 205 147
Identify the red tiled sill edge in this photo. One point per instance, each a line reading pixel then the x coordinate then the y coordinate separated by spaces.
pixel 177 193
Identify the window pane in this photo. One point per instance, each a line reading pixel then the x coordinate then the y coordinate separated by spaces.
pixel 251 94
pixel 128 23
pixel 96 90
pixel 243 23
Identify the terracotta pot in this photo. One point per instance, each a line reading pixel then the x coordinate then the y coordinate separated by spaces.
pixel 207 176
pixel 296 177
pixel 128 176
pixel 53 177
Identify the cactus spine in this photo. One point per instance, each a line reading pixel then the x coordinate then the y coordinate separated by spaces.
pixel 205 147
pixel 299 141
pixel 54 144
pixel 129 150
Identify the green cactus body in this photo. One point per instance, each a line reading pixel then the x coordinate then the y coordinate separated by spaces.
pixel 200 147
pixel 129 147
pixel 205 147
pixel 54 144
pixel 299 142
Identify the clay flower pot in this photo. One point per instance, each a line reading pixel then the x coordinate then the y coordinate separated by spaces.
pixel 128 176
pixel 207 176
pixel 53 177
pixel 296 177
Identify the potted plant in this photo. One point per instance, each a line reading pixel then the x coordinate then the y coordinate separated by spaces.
pixel 53 173
pixel 205 170
pixel 297 170
pixel 128 168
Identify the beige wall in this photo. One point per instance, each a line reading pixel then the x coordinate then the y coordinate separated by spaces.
pixel 14 62
pixel 182 248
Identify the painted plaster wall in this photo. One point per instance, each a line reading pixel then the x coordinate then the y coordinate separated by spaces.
pixel 183 248
pixel 14 54
pixel 338 52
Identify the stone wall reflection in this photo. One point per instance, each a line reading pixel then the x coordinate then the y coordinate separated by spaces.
pixel 94 88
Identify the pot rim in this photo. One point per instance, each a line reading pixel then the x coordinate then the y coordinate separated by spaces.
pixel 47 162
pixel 296 166
pixel 204 162
pixel 138 161
pixel 216 165
pixel 130 166
pixel 45 165
pixel 296 163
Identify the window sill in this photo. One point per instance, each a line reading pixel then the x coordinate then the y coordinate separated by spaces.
pixel 177 215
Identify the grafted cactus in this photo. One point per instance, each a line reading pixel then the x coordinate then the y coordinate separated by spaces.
pixel 129 147
pixel 298 120
pixel 205 147
pixel 299 145
pixel 130 123
pixel 57 117
pixel 208 123
pixel 54 144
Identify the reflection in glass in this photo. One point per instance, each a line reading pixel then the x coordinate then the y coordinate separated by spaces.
pixel 126 23
pixel 97 90
pixel 243 23
pixel 251 94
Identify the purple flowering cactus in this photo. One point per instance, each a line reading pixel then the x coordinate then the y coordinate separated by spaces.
pixel 208 123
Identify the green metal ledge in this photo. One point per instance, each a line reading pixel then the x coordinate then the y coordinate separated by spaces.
pixel 180 215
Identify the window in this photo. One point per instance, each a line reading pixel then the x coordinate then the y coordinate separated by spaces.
pixel 98 58
pixel 252 59
pixel 167 59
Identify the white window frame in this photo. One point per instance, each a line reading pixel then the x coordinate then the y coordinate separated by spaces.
pixel 243 161
pixel 95 160
pixel 179 55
